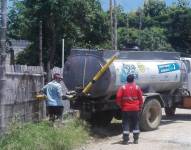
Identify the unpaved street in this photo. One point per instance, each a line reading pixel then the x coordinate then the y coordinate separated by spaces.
pixel 173 134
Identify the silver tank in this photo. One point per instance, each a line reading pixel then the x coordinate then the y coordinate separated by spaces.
pixel 153 71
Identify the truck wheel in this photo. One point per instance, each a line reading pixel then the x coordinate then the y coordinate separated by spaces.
pixel 170 111
pixel 151 115
pixel 102 118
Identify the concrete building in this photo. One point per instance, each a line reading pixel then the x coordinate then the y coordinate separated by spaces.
pixel 14 47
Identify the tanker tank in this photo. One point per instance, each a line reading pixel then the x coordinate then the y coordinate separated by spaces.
pixel 153 71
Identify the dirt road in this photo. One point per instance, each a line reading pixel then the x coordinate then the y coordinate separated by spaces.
pixel 173 134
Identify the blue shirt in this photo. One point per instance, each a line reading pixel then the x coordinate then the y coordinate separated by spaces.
pixel 53 91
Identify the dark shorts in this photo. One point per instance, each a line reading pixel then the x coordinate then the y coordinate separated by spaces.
pixel 55 110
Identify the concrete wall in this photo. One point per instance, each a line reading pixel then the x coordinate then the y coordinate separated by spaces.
pixel 18 87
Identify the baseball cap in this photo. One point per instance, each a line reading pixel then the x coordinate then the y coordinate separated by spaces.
pixel 57 76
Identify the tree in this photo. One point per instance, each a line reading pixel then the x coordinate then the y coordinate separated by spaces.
pixel 83 23
pixel 163 28
pixel 179 31
pixel 154 7
pixel 183 3
pixel 80 22
pixel 153 38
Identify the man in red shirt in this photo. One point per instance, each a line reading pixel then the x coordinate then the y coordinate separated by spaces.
pixel 129 98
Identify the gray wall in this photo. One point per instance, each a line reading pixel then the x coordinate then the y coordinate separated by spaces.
pixel 18 87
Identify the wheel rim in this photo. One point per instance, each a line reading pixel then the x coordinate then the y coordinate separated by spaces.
pixel 153 114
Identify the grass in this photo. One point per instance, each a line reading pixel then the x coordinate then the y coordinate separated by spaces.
pixel 43 136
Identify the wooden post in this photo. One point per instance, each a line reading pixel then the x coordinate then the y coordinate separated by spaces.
pixel 3 26
pixel 40 44
pixel 12 61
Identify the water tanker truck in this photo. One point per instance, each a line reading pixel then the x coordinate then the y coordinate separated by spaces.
pixel 164 78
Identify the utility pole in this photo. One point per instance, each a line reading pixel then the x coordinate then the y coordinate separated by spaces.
pixel 62 53
pixel 3 27
pixel 40 44
pixel 140 25
pixel 115 25
pixel 111 23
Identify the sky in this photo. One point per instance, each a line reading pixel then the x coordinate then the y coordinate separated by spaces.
pixel 129 5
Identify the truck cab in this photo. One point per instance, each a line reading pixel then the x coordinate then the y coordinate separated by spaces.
pixel 187 62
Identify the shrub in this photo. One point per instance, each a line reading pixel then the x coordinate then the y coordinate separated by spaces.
pixel 43 136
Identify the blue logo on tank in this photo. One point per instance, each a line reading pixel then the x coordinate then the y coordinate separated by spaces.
pixel 126 70
pixel 168 67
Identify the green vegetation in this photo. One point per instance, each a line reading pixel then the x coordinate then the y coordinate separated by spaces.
pixel 42 136
pixel 83 23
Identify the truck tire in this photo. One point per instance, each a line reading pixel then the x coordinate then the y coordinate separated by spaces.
pixel 102 118
pixel 151 115
pixel 170 111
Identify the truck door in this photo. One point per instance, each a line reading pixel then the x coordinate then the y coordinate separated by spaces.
pixel 187 83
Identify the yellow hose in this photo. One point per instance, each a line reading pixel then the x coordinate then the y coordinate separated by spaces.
pixel 40 97
pixel 99 74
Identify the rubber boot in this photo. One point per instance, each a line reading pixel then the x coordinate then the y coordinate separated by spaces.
pixel 136 138
pixel 125 139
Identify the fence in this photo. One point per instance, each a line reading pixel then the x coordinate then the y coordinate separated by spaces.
pixel 18 87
